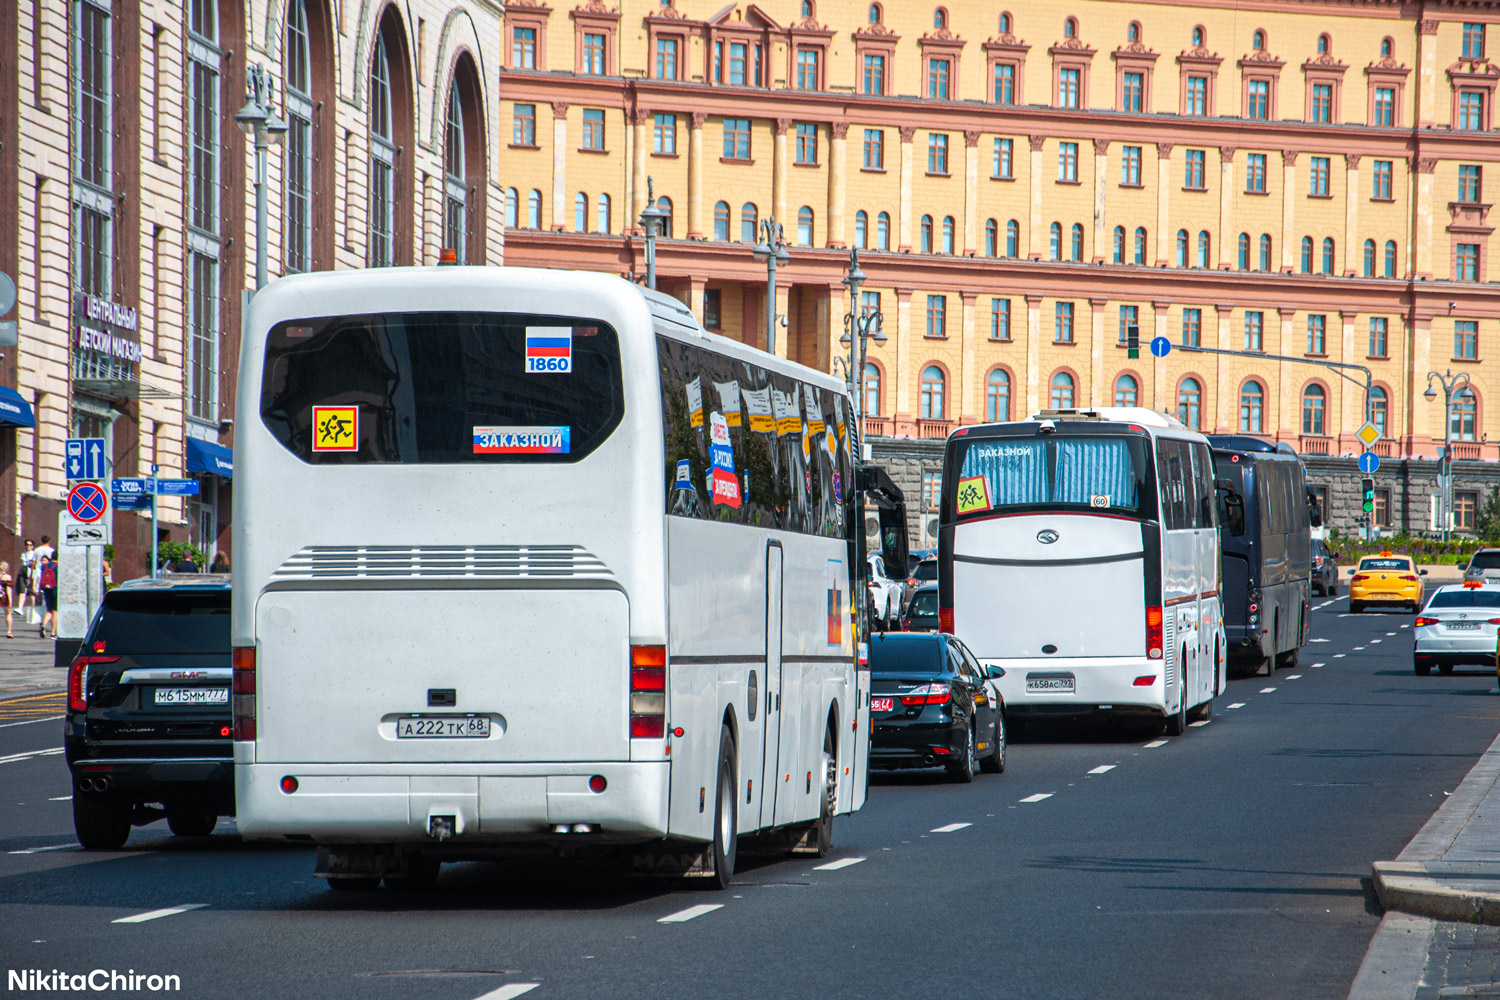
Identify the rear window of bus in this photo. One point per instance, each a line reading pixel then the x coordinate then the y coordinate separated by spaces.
pixel 441 387
pixel 1385 564
pixel 1052 472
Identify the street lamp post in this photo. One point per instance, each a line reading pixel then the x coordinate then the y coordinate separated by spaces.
pixel 860 328
pixel 651 217
pixel 259 118
pixel 771 250
pixel 1452 383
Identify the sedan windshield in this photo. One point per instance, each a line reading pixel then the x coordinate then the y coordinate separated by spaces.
pixel 1465 599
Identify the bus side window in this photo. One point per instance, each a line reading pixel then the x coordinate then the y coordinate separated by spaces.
pixel 1203 487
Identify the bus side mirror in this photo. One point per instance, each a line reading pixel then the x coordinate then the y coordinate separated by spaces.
pixel 1233 506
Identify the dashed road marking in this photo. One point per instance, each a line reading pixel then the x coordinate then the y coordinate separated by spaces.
pixel 1374 641
pixel 834 866
pixel 1102 768
pixel 38 850
pixel 510 991
pixel 682 916
pixel 141 918
pixel 1267 690
pixel 1156 743
pixel 1317 665
pixel 1203 722
pixel 1294 677
pixel 1359 649
pixel 1238 704
pixel 62 798
pixel 1338 656
pixel 1389 634
pixel 1406 626
pixel 953 827
pixel 1039 796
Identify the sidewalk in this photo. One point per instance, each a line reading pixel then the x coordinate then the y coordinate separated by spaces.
pixel 26 661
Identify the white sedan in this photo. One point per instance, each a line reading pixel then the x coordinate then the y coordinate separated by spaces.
pixel 885 594
pixel 1460 624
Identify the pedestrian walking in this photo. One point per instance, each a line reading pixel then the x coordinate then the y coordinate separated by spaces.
pixel 220 563
pixel 26 581
pixel 186 565
pixel 7 596
pixel 47 584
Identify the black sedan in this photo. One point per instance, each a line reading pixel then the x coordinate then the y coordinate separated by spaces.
pixel 922 610
pixel 1325 569
pixel 930 706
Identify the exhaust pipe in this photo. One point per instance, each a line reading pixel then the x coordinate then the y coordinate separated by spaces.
pixel 440 827
pixel 93 784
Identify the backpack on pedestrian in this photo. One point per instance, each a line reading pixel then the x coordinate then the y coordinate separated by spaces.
pixel 49 574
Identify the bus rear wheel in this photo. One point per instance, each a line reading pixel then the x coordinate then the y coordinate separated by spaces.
pixel 1177 721
pixel 726 818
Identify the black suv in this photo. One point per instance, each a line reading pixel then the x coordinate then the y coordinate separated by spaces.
pixel 149 728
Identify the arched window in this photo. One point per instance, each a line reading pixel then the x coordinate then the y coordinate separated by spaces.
pixel 1244 251
pixel 1386 46
pixel 749 222
pixel 1465 415
pixel 1012 238
pixel 1203 247
pixel 874 13
pixel 1077 242
pixel 1328 255
pixel 534 209
pixel 883 231
pixel 1323 44
pixel 1182 248
pixel 1252 406
pixel 512 208
pixel 1390 258
pixel 1189 403
pixel 1062 391
pixel 602 219
pixel 665 222
pixel 298 164
pixel 932 393
pixel 940 18
pixel 1119 245
pixel 1258 41
pixel 926 234
pixel 872 389
pixel 1133 31
pixel 1314 402
pixel 997 396
pixel 1265 251
pixel 805 226
pixel 861 228
pixel 1369 259
pixel 1005 23
pixel 991 238
pixel 1054 233
pixel 721 221
pixel 463 168
pixel 947 234
pixel 382 198
pixel 580 213
pixel 1140 244
pixel 807 8
pixel 1307 255
pixel 1127 391
pixel 1199 36
pixel 1380 408
pixel 1070 27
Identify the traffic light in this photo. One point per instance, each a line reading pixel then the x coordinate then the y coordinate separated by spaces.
pixel 1132 341
pixel 1445 461
pixel 1367 487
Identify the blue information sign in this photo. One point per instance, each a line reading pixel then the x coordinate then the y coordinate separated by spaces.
pixel 1369 462
pixel 84 458
pixel 1161 346
pixel 132 501
pixel 142 487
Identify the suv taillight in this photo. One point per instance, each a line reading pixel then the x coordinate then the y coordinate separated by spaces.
pixel 1153 633
pixel 78 680
pixel 244 692
pixel 648 692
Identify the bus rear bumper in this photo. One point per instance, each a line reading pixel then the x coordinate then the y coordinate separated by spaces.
pixel 473 804
pixel 1098 685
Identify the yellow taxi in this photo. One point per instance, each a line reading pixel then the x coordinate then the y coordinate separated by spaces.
pixel 1386 579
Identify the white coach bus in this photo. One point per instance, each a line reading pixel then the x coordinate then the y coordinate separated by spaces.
pixel 1079 552
pixel 525 558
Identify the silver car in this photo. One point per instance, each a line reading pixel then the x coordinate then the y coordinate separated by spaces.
pixel 1484 566
pixel 1460 624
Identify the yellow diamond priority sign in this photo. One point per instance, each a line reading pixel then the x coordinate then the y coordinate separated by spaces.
pixel 1368 434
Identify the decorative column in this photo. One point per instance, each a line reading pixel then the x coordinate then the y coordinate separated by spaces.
pixel 1163 187
pixel 1224 401
pixel 828 327
pixel 838 144
pixel 1427 82
pixel 695 286
pixel 1159 365
pixel 1289 242
pixel 1228 238
pixel 966 376
pixel 1033 353
pixel 636 194
pixel 1096 352
pixel 971 193
pixel 1034 229
pixel 1351 215
pixel 1421 416
pixel 559 165
pixel 1425 165
pixel 1288 410
pixel 1352 408
pixel 783 299
pixel 1101 185
pixel 903 422
pixel 778 175
pixel 695 175
pixel 903 220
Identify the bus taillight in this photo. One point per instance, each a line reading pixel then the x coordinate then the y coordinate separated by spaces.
pixel 945 620
pixel 244 692
pixel 648 692
pixel 1153 632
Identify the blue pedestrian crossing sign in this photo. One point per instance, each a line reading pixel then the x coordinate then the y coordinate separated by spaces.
pixel 84 458
pixel 1369 462
pixel 1160 347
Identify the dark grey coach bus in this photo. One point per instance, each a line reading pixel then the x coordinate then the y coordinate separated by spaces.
pixel 1266 552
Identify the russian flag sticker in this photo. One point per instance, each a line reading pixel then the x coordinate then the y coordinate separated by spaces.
pixel 549 350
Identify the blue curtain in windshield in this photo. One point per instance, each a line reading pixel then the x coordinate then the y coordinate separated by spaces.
pixel 1016 470
pixel 1023 473
pixel 1086 469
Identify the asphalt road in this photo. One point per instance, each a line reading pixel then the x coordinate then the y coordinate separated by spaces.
pixel 1232 862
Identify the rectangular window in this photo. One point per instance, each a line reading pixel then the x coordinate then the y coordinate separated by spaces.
pixel 1130 316
pixel 1067 88
pixel 1318 178
pixel 1473 41
pixel 1379 330
pixel 874 149
pixel 736 138
pixel 738 54
pixel 1005 83
pixel 1385 106
pixel 1471 111
pixel 94 83
pixel 666 58
pixel 203 336
pixel 1130 166
pixel 937 153
pixel 1382 511
pixel 869 304
pixel 1004 166
pixel 807 69
pixel 1258 106
pixel 807 144
pixel 203 137
pixel 712 308
pixel 1466 339
pixel 1468 182
pixel 1322 103
pixel 1380 180
pixel 1132 92
pixel 1062 323
pixel 523 48
pixel 932 489
pixel 664 134
pixel 1466 262
pixel 873 81
pixel 1067 162
pixel 937 316
pixel 1317 335
pixel 1255 173
pixel 1254 327
pixel 1193 170
pixel 1192 327
pixel 999 319
pixel 937 78
pixel 1197 95
pixel 593 128
pixel 593 54
pixel 523 125
pixel 1463 510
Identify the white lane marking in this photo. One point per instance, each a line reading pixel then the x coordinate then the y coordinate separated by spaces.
pixel 1294 677
pixel 1238 704
pixel 1039 796
pixel 27 722
pixel 1102 768
pixel 510 991
pixel 62 798
pixel 1156 743
pixel 1195 725
pixel 1320 640
pixel 1338 656
pixel 1317 665
pixel 682 916
pixel 1266 690
pixel 953 827
pixel 1389 634
pixel 1359 649
pixel 1374 641
pixel 834 866
pixel 15 757
pixel 1406 626
pixel 141 918
pixel 38 850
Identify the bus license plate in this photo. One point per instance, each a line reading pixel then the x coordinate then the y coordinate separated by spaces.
pixel 1049 684
pixel 192 696
pixel 427 727
pixel 882 704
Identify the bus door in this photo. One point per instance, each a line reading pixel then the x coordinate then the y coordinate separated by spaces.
pixel 771 707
